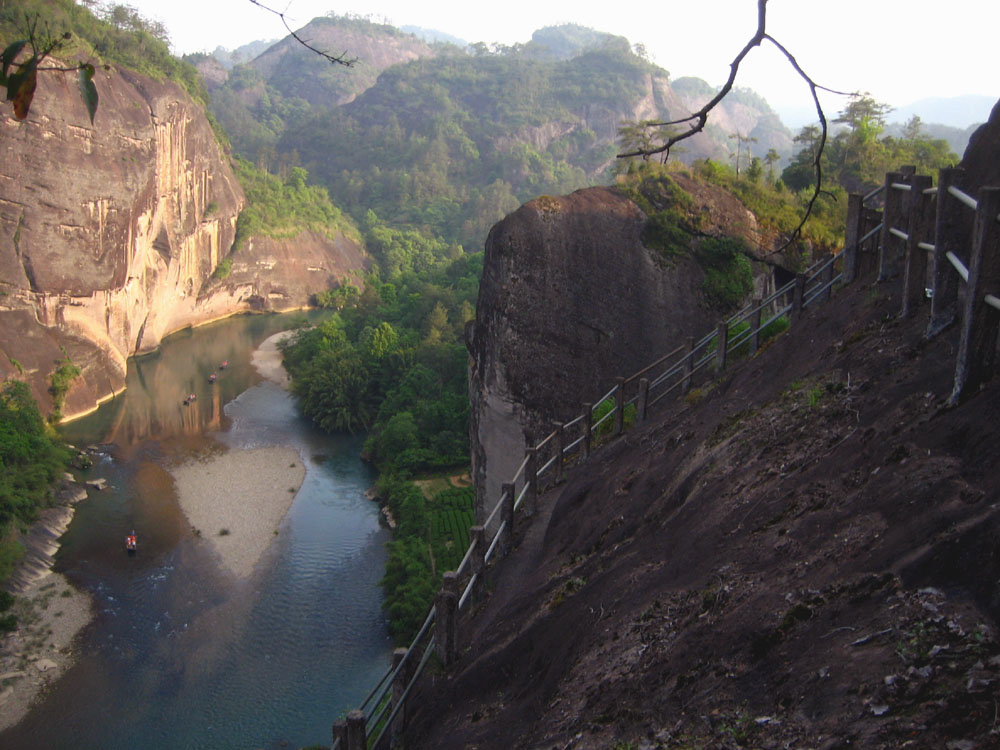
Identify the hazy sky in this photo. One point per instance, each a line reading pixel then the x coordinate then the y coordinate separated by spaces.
pixel 899 50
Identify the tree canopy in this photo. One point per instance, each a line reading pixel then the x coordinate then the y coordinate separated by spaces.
pixel 858 155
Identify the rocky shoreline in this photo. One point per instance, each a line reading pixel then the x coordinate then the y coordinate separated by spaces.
pixel 49 611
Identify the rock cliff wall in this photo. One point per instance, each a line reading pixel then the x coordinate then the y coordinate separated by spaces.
pixel 109 233
pixel 569 299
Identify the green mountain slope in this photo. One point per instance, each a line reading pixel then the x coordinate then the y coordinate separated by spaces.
pixel 449 140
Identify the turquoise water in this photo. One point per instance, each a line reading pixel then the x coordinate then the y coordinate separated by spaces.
pixel 181 655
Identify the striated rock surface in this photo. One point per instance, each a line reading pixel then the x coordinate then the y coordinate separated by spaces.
pixel 109 234
pixel 569 299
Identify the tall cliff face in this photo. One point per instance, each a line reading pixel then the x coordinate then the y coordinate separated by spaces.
pixel 569 299
pixel 109 232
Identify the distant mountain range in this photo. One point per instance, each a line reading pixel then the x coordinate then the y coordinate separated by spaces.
pixel 431 132
pixel 450 137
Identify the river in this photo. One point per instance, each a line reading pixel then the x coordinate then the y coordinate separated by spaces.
pixel 182 654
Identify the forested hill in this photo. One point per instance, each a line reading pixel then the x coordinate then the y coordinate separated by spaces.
pixel 253 101
pixel 449 140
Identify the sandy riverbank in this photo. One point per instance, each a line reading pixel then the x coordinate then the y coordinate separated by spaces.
pixel 50 613
pixel 266 359
pixel 236 500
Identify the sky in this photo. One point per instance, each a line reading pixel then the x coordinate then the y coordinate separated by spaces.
pixel 900 51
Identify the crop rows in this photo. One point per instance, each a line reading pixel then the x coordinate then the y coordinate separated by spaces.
pixel 452 513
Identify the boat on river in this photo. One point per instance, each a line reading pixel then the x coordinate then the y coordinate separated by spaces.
pixel 130 543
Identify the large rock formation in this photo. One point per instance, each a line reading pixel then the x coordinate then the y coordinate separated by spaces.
pixel 981 160
pixel 110 232
pixel 569 299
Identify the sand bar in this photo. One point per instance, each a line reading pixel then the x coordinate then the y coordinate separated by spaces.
pixel 266 359
pixel 236 500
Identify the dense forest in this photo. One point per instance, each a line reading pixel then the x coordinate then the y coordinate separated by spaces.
pixel 391 362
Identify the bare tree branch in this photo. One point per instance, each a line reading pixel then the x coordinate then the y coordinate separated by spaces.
pixel 700 118
pixel 818 153
pixel 340 59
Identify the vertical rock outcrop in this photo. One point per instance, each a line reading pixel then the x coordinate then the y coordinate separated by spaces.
pixel 981 160
pixel 569 299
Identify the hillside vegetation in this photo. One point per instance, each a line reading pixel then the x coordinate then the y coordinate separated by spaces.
pixel 114 34
pixel 31 459
pixel 391 361
pixel 859 154
pixel 447 141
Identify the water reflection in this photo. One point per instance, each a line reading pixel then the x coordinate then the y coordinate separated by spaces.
pixel 157 385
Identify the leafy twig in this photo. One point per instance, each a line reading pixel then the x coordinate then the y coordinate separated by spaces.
pixel 21 85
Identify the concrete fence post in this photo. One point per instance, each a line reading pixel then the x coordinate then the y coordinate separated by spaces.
pixel 755 326
pixel 560 447
pixel 892 218
pixel 619 405
pixel 446 617
pixel 852 233
pixel 477 563
pixel 980 320
pixel 826 280
pixel 920 229
pixel 531 482
pixel 643 399
pixel 588 429
pixel 506 516
pixel 952 233
pixel 399 684
pixel 340 734
pixel 798 292
pixel 688 366
pixel 357 738
pixel 721 343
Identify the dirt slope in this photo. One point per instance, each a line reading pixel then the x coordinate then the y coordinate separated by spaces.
pixel 805 557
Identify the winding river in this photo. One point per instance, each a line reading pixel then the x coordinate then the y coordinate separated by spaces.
pixel 180 654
